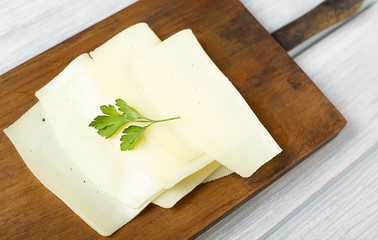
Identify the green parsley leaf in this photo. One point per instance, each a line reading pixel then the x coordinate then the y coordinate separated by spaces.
pixel 107 125
pixel 128 111
pixel 131 136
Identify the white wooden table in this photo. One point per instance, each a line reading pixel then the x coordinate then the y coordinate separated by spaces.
pixel 331 195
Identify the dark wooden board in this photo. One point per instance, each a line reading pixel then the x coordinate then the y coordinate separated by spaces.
pixel 290 106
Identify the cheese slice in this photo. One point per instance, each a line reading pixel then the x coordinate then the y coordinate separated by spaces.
pixel 35 140
pixel 184 82
pixel 114 59
pixel 163 153
pixel 171 196
pixel 99 159
pixel 220 172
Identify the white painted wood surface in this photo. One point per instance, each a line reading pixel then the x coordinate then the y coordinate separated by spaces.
pixel 28 28
pixel 331 195
pixel 346 209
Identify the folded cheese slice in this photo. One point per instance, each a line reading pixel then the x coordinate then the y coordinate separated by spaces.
pixel 171 196
pixel 183 81
pixel 99 159
pixel 35 140
pixel 163 153
pixel 220 172
pixel 114 59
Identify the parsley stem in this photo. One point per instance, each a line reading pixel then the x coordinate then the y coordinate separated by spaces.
pixel 142 121
pixel 155 121
pixel 164 120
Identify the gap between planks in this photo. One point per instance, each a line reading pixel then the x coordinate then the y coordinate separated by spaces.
pixel 316 198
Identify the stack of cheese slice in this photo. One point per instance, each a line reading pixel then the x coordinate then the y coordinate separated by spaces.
pixel 107 187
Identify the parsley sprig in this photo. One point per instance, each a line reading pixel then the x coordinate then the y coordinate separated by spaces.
pixel 107 125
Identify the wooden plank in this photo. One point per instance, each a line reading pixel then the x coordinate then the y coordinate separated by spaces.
pixel 346 208
pixel 274 14
pixel 272 84
pixel 47 24
pixel 28 28
pixel 344 65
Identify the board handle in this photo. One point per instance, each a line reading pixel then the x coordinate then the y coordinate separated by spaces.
pixel 321 17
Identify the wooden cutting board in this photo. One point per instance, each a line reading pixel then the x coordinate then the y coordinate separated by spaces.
pixel 290 106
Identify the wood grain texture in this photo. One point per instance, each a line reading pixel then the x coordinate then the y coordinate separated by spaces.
pixel 274 14
pixel 275 88
pixel 274 205
pixel 348 214
pixel 28 28
pixel 344 66
pixel 323 16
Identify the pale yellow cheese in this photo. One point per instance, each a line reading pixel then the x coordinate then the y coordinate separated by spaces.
pixel 171 196
pixel 114 59
pixel 107 187
pixel 99 159
pixel 163 153
pixel 183 81
pixel 220 172
pixel 35 140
